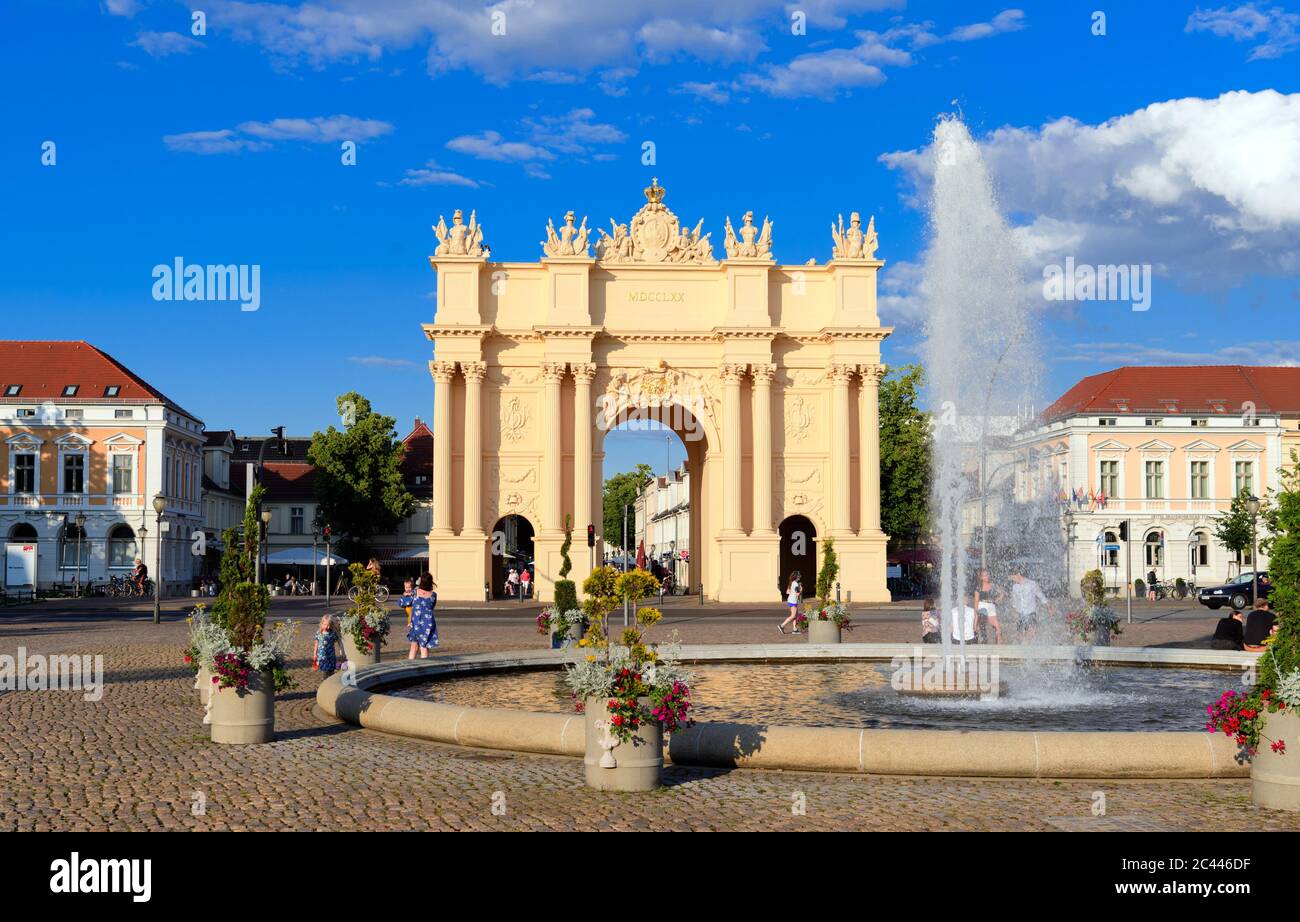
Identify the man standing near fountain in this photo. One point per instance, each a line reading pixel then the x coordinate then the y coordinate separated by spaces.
pixel 1026 596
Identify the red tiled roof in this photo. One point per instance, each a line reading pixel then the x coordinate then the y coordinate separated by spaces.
pixel 418 459
pixel 45 368
pixel 1182 389
pixel 283 480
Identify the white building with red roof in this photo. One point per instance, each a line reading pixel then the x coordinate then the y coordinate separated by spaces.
pixel 1165 449
pixel 86 446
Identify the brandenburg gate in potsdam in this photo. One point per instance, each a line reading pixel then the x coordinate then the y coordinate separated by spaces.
pixel 769 373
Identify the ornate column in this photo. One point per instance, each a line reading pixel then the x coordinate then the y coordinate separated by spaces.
pixel 442 372
pixel 583 374
pixel 869 450
pixel 840 376
pixel 552 450
pixel 763 375
pixel 731 492
pixel 474 373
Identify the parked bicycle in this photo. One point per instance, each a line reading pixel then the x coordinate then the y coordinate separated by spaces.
pixel 381 594
pixel 1168 591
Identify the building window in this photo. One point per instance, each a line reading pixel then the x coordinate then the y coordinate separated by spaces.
pixel 71 390
pixel 73 414
pixel 124 414
pixel 1110 478
pixel 1243 477
pixel 13 390
pixel 1155 479
pixel 1154 421
pixel 25 472
pixel 1200 423
pixel 1200 480
pixel 123 474
pixel 73 548
pixel 296 520
pixel 1200 550
pixel 112 390
pixel 1110 550
pixel 26 413
pixel 74 473
pixel 1108 421
pixel 1155 549
pixel 121 547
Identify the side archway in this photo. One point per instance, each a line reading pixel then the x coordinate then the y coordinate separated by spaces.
pixel 798 553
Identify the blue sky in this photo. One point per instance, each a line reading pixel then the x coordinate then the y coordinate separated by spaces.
pixel 1173 139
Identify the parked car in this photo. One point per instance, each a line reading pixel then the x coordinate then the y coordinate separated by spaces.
pixel 1240 593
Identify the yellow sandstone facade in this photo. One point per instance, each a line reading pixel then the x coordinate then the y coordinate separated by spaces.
pixel 768 373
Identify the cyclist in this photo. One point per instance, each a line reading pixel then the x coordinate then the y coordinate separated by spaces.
pixel 139 575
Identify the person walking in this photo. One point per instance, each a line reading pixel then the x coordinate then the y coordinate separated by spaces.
pixel 526 584
pixel 324 653
pixel 963 621
pixel 793 596
pixel 423 632
pixel 512 583
pixel 987 599
pixel 1026 596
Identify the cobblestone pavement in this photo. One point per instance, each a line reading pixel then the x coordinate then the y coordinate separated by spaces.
pixel 140 759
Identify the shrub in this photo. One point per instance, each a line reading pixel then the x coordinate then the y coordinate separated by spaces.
pixel 829 571
pixel 1139 588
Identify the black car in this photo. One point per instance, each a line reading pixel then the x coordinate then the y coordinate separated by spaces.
pixel 1240 593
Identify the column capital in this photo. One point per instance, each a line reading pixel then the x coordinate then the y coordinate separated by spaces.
pixel 584 372
pixel 732 372
pixel 474 371
pixel 552 372
pixel 873 374
pixel 442 371
pixel 764 373
pixel 841 374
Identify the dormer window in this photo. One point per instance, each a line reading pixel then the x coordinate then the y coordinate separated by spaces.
pixel 70 390
pixel 13 390
pixel 112 390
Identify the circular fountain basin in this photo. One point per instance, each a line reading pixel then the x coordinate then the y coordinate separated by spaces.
pixel 835 709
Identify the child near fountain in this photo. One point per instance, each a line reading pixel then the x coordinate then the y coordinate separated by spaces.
pixel 930 628
pixel 324 656
pixel 423 632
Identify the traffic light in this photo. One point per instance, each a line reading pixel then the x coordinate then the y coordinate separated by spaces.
pixel 1123 530
pixel 591 536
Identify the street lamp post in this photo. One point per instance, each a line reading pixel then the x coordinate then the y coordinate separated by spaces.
pixel 1252 506
pixel 266 533
pixel 1067 519
pixel 81 531
pixel 159 504
pixel 315 539
pixel 329 560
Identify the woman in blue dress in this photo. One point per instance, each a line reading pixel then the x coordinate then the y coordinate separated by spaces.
pixel 423 632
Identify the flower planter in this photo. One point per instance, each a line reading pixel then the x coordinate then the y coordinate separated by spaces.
pixel 823 631
pixel 1275 777
pixel 355 656
pixel 638 764
pixel 245 715
pixel 203 684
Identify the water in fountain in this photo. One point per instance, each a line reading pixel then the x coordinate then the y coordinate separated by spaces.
pixel 983 359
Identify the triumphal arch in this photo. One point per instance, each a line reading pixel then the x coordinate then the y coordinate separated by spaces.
pixel 768 372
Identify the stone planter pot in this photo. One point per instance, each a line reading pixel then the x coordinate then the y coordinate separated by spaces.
pixel 823 631
pixel 638 765
pixel 1275 778
pixel 355 656
pixel 568 641
pixel 245 715
pixel 203 685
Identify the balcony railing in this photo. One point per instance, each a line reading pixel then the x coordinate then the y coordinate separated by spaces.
pixel 58 501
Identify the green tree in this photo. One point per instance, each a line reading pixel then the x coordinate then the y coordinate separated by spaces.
pixel 905 466
pixel 1233 528
pixel 358 473
pixel 1284 570
pixel 619 490
pixel 566 593
pixel 829 571
pixel 241 607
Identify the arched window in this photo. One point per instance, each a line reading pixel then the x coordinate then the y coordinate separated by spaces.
pixel 1109 549
pixel 1154 546
pixel 121 547
pixel 1200 550
pixel 23 531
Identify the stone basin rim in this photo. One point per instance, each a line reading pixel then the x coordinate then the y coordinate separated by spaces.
pixel 953 753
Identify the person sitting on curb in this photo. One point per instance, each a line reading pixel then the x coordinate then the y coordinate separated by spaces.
pixel 1228 633
pixel 1259 624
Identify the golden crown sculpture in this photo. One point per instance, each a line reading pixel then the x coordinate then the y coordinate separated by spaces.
pixel 654 193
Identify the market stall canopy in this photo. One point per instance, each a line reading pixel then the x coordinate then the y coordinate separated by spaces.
pixel 303 556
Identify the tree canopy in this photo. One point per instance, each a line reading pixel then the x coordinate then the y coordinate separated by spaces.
pixel 905 466
pixel 619 490
pixel 358 473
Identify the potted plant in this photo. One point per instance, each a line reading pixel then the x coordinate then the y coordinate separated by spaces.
pixel 247 668
pixel 566 594
pixel 629 693
pixel 364 626
pixel 564 628
pixel 824 619
pixel 1094 623
pixel 1268 712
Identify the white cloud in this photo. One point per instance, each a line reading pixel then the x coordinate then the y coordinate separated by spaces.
pixel 490 145
pixel 712 91
pixel 379 361
pixel 1278 28
pixel 1202 189
pixel 261 135
pixel 163 44
pixel 1271 352
pixel 126 8
pixel 666 37
pixel 433 175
